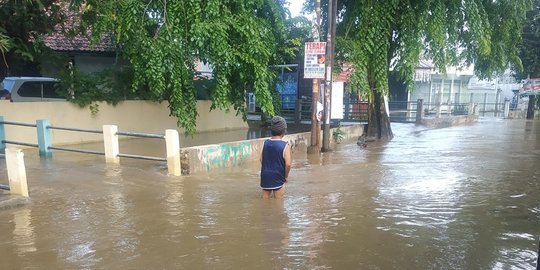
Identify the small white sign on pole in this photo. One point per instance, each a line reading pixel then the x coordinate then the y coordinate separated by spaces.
pixel 314 60
pixel 336 111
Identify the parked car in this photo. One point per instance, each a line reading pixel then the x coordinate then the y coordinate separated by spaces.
pixel 21 89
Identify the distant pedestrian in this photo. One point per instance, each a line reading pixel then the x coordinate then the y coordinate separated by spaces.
pixel 276 160
pixel 4 94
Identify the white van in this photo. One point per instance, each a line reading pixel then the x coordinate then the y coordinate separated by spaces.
pixel 21 89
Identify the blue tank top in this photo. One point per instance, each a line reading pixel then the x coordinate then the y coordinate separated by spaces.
pixel 273 164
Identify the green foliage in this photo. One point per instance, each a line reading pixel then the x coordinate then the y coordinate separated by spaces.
pixel 111 86
pixel 298 31
pixel 5 43
pixel 22 27
pixel 529 50
pixel 162 40
pixel 377 36
pixel 276 101
pixel 338 134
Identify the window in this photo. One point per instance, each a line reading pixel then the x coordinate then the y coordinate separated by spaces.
pixel 49 90
pixel 30 89
pixel 33 89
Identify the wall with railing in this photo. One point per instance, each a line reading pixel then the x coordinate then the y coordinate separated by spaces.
pixel 142 116
pixel 109 134
pixel 403 111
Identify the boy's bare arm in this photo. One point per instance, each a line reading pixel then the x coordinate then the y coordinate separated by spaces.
pixel 288 160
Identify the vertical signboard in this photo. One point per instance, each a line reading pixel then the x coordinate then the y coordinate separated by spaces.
pixel 314 59
pixel 336 111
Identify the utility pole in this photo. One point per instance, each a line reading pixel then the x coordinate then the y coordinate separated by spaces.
pixel 330 38
pixel 315 122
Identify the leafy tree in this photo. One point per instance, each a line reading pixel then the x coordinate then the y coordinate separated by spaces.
pixel 377 36
pixel 529 51
pixel 162 40
pixel 298 31
pixel 5 45
pixel 21 30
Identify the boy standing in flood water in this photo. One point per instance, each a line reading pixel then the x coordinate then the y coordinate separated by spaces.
pixel 276 160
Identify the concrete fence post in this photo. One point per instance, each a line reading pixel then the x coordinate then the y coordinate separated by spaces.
pixel 172 140
pixel 2 136
pixel 419 111
pixel 298 112
pixel 16 172
pixel 506 113
pixel 347 109
pixel 408 113
pixel 44 138
pixel 439 105
pixel 497 100
pixel 485 104
pixel 110 143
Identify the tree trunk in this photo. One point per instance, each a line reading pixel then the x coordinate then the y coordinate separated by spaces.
pixel 378 122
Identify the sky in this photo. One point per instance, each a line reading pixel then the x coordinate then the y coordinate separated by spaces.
pixel 295 6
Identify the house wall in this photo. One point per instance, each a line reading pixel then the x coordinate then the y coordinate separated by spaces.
pixel 464 91
pixel 130 116
pixel 456 91
pixel 84 62
pixel 90 63
pixel 482 96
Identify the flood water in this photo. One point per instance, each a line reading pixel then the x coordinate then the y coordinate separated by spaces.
pixel 464 197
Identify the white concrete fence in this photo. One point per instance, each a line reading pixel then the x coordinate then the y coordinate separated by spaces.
pixel 16 172
pixel 172 141
pixel 110 133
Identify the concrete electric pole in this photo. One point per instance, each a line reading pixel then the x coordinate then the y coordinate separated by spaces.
pixel 330 40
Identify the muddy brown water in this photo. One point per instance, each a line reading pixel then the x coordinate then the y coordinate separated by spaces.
pixel 464 197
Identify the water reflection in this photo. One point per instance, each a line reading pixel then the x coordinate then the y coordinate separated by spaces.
pixel 274 222
pixel 312 221
pixel 121 225
pixel 208 216
pixel 255 133
pixel 23 232
pixel 78 246
pixel 174 202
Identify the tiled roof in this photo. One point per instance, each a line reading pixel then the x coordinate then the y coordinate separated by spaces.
pixel 60 41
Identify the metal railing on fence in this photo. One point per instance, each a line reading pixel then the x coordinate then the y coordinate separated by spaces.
pixel 3 141
pixel 141 135
pixel 110 135
pixel 83 151
pixel 400 111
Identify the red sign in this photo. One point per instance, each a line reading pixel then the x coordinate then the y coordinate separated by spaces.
pixel 314 59
pixel 532 85
pixel 345 75
pixel 315 47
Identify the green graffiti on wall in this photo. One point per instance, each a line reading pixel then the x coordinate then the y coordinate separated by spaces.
pixel 227 155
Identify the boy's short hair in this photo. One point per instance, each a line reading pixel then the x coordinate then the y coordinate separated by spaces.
pixel 278 126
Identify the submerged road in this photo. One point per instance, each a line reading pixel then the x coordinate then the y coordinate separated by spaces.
pixel 465 197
